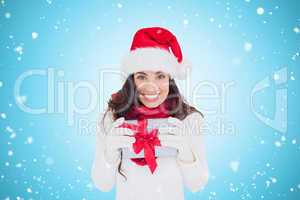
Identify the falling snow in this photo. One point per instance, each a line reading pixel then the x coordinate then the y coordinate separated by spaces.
pixel 43 158
pixel 277 144
pixel 49 2
pixel 260 11
pixel 247 46
pixel 10 153
pixel 296 29
pixel 34 35
pixel 276 76
pixel 3 115
pixel 119 5
pixel 29 140
pixel 234 165
pixel 185 22
pixel 19 50
pixel 7 15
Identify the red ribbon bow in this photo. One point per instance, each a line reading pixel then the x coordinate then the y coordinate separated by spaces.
pixel 144 140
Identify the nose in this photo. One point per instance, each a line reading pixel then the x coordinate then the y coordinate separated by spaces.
pixel 150 88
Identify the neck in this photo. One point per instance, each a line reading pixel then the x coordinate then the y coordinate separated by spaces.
pixel 144 112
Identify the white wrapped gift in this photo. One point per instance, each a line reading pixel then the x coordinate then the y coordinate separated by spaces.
pixel 160 151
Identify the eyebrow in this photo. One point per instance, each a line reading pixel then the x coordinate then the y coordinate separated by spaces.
pixel 158 72
pixel 142 73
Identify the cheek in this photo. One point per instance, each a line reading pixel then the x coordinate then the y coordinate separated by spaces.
pixel 137 83
pixel 164 91
pixel 140 85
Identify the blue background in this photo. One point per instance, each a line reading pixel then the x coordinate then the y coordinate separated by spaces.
pixel 43 156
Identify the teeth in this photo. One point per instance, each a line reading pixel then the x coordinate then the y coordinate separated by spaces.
pixel 151 96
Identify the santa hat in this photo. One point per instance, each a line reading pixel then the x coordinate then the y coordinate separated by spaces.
pixel 155 49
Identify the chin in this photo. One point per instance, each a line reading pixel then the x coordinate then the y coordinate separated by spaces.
pixel 151 104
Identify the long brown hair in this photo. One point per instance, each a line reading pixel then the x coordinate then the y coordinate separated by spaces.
pixel 122 101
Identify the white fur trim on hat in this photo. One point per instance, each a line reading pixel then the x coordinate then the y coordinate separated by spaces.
pixel 154 59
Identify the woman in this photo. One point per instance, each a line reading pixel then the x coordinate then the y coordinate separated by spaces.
pixel 150 91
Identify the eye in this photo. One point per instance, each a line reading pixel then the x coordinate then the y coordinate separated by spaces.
pixel 161 76
pixel 141 77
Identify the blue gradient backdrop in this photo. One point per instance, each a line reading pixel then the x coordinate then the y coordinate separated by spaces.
pixel 43 156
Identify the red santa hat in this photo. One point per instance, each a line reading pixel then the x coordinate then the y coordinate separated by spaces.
pixel 155 49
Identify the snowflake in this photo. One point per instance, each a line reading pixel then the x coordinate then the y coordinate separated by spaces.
pixel 29 190
pixel 247 46
pixel 234 165
pixel 260 11
pixel 273 179
pixel 119 19
pixel 34 35
pixel 19 50
pixel 119 5
pixel 185 22
pixel 277 144
pixel 296 30
pixel 275 76
pixel 10 153
pixel 3 115
pixel 7 15
pixel 19 165
pixel 29 140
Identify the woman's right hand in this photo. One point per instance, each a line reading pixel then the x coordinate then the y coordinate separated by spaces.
pixel 116 139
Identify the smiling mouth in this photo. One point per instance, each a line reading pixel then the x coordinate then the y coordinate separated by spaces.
pixel 151 97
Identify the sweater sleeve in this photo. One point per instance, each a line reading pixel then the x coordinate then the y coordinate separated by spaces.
pixel 195 173
pixel 103 172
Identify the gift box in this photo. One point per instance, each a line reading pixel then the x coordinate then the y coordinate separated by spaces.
pixel 151 125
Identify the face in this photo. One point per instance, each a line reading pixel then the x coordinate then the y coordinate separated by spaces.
pixel 152 86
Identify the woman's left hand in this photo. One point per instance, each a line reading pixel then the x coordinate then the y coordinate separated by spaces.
pixel 176 136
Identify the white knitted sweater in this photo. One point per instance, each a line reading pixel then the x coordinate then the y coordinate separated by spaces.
pixel 168 180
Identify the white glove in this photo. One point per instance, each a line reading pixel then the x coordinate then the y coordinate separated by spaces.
pixel 174 137
pixel 116 139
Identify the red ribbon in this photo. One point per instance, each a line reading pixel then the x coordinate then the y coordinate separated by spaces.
pixel 144 140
